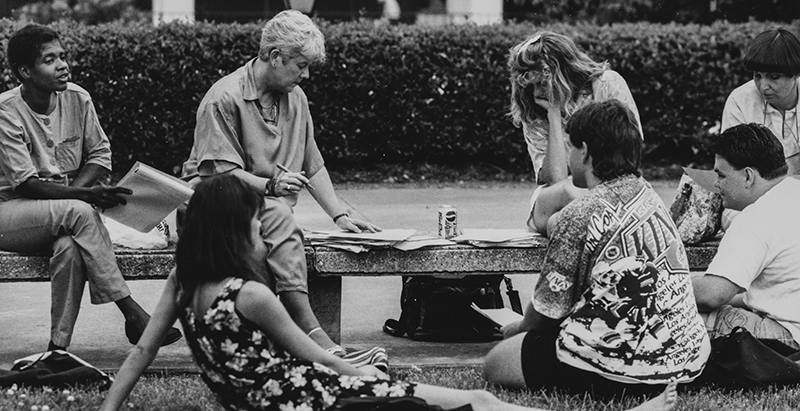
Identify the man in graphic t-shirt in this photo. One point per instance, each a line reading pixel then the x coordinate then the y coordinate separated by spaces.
pixel 613 311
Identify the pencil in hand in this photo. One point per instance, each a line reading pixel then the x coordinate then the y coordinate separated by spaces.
pixel 286 170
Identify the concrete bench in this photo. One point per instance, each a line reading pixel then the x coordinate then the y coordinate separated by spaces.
pixel 327 266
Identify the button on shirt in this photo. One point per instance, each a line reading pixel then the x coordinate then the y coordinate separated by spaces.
pixel 48 146
pixel 232 132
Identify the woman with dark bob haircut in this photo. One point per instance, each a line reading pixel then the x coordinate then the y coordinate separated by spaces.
pixel 771 97
pixel 249 351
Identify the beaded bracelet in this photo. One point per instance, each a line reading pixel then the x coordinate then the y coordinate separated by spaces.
pixel 335 219
pixel 270 188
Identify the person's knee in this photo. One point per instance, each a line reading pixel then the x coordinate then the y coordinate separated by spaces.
pixel 276 216
pixel 492 365
pixel 503 364
pixel 80 212
pixel 65 246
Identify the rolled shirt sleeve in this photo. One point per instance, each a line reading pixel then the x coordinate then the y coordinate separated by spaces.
pixel 96 147
pixel 15 159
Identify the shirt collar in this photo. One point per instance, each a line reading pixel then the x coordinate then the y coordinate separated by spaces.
pixel 249 89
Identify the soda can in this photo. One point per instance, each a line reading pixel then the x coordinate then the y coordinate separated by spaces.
pixel 448 221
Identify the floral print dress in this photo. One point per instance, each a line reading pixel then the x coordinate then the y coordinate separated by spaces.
pixel 247 372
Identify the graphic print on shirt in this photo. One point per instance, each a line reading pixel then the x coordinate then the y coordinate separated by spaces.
pixel 634 323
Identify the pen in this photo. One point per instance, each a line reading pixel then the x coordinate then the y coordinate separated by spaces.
pixel 286 170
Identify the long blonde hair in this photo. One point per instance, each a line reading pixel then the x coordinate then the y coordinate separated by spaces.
pixel 548 57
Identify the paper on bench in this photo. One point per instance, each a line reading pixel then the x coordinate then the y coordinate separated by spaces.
pixel 494 237
pixel 391 235
pixel 500 316
pixel 155 194
pixel 419 241
pixel 357 242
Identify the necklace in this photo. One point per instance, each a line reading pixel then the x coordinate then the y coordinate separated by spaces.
pixel 270 112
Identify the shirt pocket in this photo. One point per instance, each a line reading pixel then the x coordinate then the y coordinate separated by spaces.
pixel 68 154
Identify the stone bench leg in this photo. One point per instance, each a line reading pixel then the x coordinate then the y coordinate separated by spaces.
pixel 325 295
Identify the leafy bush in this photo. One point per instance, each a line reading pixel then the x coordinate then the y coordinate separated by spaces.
pixel 85 11
pixel 398 94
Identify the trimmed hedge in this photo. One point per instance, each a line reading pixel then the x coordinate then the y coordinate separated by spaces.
pixel 397 94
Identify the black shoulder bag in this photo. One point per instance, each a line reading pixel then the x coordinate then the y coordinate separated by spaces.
pixel 438 309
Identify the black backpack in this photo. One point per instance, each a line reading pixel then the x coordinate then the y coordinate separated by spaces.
pixel 438 309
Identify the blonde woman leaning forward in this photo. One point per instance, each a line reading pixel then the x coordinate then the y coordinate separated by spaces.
pixel 250 352
pixel 551 79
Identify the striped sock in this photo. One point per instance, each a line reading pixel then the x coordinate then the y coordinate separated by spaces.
pixel 375 356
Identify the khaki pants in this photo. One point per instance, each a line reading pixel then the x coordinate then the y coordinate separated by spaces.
pixel 723 320
pixel 81 250
pixel 286 257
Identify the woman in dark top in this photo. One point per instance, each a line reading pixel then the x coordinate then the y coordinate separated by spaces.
pixel 250 352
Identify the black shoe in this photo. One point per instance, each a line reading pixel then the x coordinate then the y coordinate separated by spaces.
pixel 135 327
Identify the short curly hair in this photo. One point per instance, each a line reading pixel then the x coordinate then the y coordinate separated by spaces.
pixel 751 145
pixel 293 34
pixel 25 46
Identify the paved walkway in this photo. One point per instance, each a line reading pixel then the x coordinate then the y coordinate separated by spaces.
pixel 367 302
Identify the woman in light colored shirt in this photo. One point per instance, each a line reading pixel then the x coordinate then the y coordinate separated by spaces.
pixel 771 97
pixel 551 79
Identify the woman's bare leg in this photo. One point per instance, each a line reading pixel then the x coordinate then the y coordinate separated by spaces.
pixel 480 400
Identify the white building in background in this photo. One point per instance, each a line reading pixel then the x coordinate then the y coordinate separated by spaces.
pixel 439 11
pixel 463 11
pixel 475 11
pixel 169 10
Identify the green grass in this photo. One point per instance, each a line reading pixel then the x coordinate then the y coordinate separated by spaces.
pixel 187 392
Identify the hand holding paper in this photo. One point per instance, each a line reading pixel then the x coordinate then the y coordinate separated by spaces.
pixel 154 195
pixel 104 196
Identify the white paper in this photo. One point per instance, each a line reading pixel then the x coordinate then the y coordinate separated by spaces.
pixel 500 316
pixel 497 235
pixel 155 194
pixel 392 235
pixel 704 178
pixel 419 241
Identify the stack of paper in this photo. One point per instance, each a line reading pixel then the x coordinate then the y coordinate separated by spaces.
pixel 358 242
pixel 492 237
pixel 419 240
pixel 155 194
pixel 499 316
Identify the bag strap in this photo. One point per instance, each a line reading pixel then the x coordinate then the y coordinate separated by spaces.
pixel 513 296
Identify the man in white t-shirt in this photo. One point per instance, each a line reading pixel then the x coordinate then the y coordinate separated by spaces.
pixel 754 280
